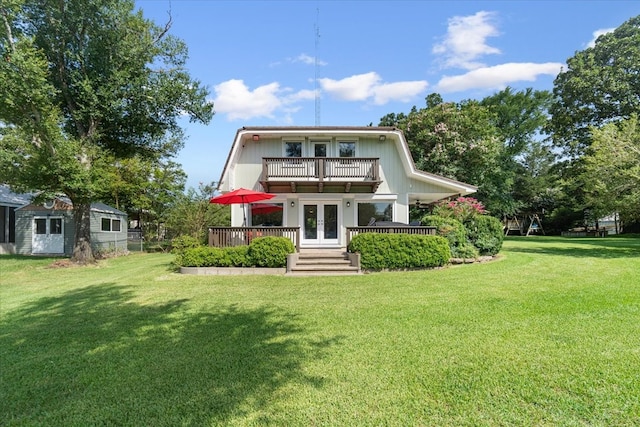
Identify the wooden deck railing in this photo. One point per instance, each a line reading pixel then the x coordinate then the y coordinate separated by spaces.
pixel 406 229
pixel 223 237
pixel 321 168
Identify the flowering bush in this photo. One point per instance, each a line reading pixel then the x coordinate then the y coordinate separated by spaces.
pixel 476 233
pixel 463 209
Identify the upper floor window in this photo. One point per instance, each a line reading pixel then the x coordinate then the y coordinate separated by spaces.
pixel 293 149
pixel 346 149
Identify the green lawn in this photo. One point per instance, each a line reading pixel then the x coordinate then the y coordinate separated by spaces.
pixel 549 334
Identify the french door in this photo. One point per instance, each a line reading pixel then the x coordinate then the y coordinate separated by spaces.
pixel 320 223
pixel 48 235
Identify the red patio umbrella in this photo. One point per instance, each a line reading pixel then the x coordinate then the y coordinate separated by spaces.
pixel 241 195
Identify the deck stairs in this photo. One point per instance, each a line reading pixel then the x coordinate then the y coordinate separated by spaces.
pixel 323 262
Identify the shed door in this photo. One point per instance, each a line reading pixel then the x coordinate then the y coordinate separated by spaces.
pixel 48 235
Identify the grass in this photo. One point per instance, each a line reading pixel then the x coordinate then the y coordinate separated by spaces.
pixel 549 334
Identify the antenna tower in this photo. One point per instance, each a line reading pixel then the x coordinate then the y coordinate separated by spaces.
pixel 315 80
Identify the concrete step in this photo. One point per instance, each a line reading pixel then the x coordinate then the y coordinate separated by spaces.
pixel 317 261
pixel 323 262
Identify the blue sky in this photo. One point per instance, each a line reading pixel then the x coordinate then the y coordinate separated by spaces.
pixel 264 61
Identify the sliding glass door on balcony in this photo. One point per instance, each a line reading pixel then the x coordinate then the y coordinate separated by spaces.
pixel 320 223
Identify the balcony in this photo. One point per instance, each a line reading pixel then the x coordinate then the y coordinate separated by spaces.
pixel 320 174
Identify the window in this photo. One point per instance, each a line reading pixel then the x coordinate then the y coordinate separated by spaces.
pixel 380 211
pixel 266 214
pixel 293 149
pixel 55 226
pixel 320 150
pixel 346 149
pixel 41 225
pixel 110 224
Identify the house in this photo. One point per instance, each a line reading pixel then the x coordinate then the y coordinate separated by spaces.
pixel 48 229
pixel 9 202
pixel 328 179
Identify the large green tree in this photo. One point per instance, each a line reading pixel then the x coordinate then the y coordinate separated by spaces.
pixel 86 83
pixel 525 156
pixel 611 172
pixel 600 84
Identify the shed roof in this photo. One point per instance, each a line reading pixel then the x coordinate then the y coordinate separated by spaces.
pixel 9 198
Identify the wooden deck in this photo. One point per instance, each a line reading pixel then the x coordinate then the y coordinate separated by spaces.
pixel 320 174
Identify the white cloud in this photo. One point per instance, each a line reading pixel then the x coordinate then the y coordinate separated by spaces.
pixel 598 33
pixel 308 60
pixel 497 77
pixel 362 87
pixel 354 88
pixel 465 40
pixel 238 102
pixel 399 91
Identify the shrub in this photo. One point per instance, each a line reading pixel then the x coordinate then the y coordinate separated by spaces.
pixel 270 251
pixel 262 252
pixel 238 256
pixel 400 251
pixel 465 250
pixel 183 242
pixel 486 234
pixel 203 256
pixel 463 209
pixel 449 228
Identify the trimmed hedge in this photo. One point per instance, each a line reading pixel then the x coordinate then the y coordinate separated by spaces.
pixel 380 251
pixel 270 251
pixel 261 252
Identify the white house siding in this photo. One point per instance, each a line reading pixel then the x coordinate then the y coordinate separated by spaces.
pixel 394 187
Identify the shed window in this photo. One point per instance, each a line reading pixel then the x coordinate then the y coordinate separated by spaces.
pixel 110 224
pixel 41 225
pixel 55 226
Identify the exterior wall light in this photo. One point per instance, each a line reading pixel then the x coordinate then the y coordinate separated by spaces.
pixel 255 138
pixel 293 203
pixel 348 204
pixel 382 138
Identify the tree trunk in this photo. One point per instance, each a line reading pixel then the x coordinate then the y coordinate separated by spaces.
pixel 82 251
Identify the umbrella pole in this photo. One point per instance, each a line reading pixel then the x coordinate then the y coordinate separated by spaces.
pixel 244 216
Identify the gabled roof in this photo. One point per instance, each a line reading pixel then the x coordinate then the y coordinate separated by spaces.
pixel 101 207
pixel 9 198
pixel 394 134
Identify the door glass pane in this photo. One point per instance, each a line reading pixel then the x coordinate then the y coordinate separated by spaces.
pixel 320 150
pixel 55 226
pixel 330 221
pixel 41 226
pixel 310 222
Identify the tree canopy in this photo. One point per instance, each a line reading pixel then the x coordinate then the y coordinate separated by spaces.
pixel 87 83
pixel 601 84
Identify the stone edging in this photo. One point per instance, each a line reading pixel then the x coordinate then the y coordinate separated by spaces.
pixel 456 261
pixel 227 271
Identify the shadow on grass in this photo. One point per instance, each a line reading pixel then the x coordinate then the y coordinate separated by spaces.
pixel 92 356
pixel 608 247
